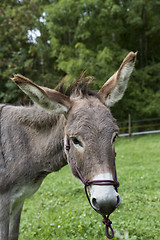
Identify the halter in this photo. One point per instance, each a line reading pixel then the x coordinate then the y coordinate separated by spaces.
pixel 87 183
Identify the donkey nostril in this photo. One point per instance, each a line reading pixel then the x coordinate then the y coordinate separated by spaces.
pixel 118 200
pixel 95 204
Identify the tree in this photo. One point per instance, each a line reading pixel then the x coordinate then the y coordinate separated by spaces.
pixel 18 52
pixel 81 38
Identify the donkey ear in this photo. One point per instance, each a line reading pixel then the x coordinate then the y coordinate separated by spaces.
pixel 49 99
pixel 113 90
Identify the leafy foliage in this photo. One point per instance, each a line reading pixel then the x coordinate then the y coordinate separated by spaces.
pixel 73 36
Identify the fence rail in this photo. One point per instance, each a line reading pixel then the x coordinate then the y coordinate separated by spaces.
pixel 139 127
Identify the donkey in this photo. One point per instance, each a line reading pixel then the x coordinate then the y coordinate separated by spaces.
pixel 33 140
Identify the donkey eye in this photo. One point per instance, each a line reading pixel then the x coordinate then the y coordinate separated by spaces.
pixel 76 141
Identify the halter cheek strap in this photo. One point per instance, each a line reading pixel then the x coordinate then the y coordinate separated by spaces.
pixel 87 183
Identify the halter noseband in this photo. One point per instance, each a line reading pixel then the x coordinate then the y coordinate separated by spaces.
pixel 87 183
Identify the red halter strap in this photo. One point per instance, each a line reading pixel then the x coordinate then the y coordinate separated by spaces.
pixel 87 183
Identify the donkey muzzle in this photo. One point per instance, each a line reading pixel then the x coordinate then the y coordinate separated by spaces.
pixel 105 205
pixel 104 199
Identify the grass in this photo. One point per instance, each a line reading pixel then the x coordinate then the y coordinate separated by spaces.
pixel 60 211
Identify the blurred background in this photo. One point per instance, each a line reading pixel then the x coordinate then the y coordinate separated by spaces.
pixel 47 40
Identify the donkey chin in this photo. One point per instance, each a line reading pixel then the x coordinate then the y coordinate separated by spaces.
pixel 104 199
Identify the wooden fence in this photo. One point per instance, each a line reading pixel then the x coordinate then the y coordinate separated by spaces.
pixel 138 127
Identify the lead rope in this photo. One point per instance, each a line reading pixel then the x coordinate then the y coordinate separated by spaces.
pixel 87 183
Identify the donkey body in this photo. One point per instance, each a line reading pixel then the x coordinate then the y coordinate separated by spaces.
pixel 32 141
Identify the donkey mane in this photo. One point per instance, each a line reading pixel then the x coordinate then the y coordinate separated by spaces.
pixel 78 87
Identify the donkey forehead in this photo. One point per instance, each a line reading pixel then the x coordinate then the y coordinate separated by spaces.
pixel 90 113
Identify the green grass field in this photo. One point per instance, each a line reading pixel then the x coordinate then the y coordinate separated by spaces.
pixel 60 210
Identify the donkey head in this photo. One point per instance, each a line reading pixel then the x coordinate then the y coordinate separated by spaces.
pixel 89 127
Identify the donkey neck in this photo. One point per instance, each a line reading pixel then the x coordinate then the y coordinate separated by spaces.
pixel 45 134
